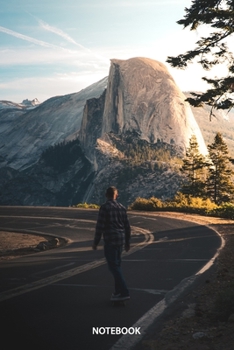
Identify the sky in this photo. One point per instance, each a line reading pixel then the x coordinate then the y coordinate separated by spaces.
pixel 57 47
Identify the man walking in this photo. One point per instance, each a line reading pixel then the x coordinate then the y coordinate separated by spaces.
pixel 113 224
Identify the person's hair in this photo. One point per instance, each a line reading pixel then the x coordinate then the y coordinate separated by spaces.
pixel 111 191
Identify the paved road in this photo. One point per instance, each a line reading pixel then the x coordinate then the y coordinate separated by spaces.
pixel 52 300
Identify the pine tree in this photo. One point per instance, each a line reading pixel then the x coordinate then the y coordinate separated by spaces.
pixel 218 15
pixel 194 167
pixel 220 187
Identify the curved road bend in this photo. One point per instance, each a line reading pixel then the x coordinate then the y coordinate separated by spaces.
pixel 52 300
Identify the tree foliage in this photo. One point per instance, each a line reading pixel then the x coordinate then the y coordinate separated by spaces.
pixel 193 165
pixel 211 50
pixel 209 177
pixel 140 152
pixel 63 155
pixel 220 187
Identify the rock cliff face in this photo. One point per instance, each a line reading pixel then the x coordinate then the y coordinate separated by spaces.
pixel 91 125
pixel 142 97
pixel 143 100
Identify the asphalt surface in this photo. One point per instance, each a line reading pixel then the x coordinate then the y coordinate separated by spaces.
pixel 53 299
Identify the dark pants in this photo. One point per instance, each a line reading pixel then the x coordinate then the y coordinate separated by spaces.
pixel 113 257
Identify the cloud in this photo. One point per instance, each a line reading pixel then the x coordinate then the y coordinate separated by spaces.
pixel 61 33
pixel 27 38
pixel 69 39
pixel 83 55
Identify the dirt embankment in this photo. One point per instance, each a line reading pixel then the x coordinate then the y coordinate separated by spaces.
pixel 14 244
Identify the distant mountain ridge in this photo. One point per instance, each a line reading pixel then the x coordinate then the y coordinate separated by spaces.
pixel 25 134
pixel 31 103
pixel 23 105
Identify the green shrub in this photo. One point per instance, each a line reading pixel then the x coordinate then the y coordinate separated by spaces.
pixel 225 210
pixel 156 203
pixel 187 203
pixel 87 206
pixel 151 204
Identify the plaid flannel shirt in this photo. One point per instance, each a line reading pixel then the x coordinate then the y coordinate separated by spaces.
pixel 113 224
